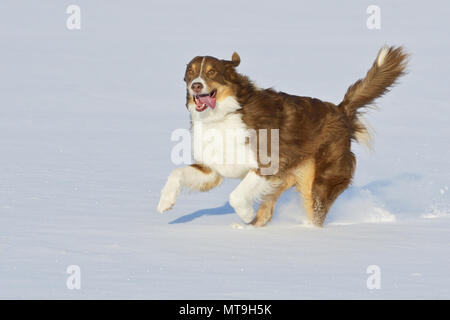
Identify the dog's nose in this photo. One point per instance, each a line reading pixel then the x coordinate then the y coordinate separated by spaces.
pixel 197 87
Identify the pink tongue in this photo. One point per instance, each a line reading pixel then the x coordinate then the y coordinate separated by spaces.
pixel 209 101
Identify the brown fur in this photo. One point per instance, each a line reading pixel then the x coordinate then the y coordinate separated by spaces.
pixel 265 210
pixel 201 168
pixel 377 82
pixel 314 136
pixel 207 171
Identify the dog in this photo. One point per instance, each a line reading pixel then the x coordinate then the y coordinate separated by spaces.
pixel 313 138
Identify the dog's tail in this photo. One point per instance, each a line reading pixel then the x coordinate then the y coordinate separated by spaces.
pixel 389 65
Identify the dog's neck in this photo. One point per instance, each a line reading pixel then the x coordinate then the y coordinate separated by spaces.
pixel 245 90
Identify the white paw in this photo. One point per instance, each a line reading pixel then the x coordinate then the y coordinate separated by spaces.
pixel 236 225
pixel 165 203
pixel 243 208
pixel 247 214
pixel 170 191
pixel 167 200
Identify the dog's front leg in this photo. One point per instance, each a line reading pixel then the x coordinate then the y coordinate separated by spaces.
pixel 195 176
pixel 252 188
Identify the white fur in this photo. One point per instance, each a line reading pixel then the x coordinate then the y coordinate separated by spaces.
pixel 382 55
pixel 205 86
pixel 365 138
pixel 219 138
pixel 209 131
pixel 199 79
pixel 201 65
pixel 252 188
pixel 208 147
pixel 183 177
pixel 218 114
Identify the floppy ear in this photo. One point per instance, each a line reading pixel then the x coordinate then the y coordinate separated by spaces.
pixel 235 59
pixel 230 73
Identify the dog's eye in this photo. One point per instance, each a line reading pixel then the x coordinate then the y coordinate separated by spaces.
pixel 211 73
pixel 190 71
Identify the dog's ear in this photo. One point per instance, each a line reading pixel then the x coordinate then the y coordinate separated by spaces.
pixel 234 62
pixel 235 59
pixel 230 73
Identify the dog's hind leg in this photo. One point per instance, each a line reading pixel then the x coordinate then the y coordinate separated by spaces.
pixel 196 177
pixel 252 188
pixel 331 178
pixel 304 176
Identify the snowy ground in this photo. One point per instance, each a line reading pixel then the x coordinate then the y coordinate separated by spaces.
pixel 85 124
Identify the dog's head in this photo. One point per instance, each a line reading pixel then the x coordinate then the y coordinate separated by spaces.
pixel 208 81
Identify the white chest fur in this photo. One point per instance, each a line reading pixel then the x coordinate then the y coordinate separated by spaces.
pixel 220 140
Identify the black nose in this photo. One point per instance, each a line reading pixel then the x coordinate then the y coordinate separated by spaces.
pixel 197 87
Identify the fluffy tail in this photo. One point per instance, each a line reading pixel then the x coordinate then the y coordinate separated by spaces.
pixel 389 65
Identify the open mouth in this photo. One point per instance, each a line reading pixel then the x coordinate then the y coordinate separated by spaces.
pixel 203 101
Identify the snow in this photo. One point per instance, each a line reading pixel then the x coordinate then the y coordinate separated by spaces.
pixel 85 123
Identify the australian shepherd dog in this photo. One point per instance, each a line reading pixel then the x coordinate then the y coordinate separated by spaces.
pixel 309 140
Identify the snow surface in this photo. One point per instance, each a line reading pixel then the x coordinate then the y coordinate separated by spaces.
pixel 85 124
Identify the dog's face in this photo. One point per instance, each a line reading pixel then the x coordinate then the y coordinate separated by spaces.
pixel 208 81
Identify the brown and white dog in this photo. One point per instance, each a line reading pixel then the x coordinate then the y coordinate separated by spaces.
pixel 313 137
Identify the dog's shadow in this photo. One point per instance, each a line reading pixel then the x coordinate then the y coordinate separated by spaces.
pixel 224 209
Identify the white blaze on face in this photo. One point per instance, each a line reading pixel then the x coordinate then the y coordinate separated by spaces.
pixel 199 79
